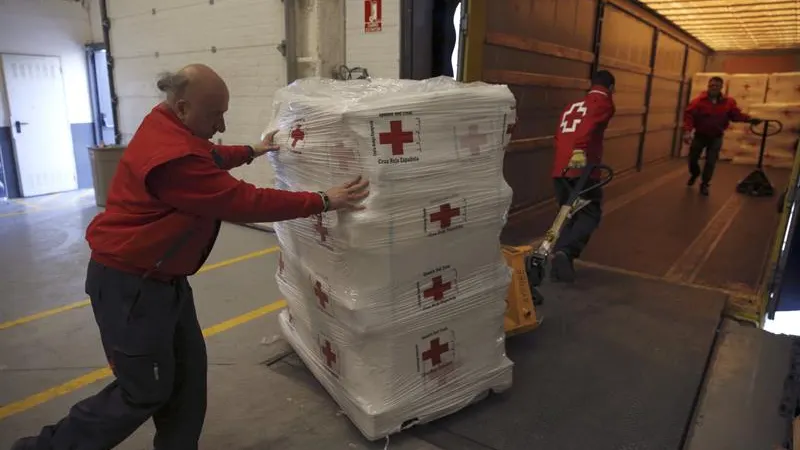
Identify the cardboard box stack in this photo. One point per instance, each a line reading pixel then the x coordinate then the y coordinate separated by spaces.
pixel 397 309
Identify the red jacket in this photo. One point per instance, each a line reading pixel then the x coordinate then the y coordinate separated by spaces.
pixel 169 194
pixel 711 119
pixel 581 127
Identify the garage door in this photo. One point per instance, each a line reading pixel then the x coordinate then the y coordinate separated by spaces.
pixel 238 38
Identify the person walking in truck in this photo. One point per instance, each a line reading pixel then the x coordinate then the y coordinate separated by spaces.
pixel 709 115
pixel 578 141
pixel 168 197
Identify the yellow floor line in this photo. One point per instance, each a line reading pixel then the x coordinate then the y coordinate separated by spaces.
pixel 85 302
pixel 100 374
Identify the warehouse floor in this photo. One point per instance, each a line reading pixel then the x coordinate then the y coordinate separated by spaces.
pixel 51 360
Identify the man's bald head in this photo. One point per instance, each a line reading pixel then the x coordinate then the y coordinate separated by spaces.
pixel 198 96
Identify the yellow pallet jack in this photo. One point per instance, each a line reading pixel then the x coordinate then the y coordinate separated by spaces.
pixel 528 263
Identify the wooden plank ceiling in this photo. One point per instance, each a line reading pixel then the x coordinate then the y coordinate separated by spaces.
pixel 727 25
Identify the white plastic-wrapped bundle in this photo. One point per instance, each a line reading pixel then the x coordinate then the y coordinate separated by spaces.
pixel 700 82
pixel 780 148
pixel 748 88
pixel 397 309
pixel 784 88
pixel 737 141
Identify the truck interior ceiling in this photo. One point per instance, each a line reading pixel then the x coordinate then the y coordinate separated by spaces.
pixel 664 325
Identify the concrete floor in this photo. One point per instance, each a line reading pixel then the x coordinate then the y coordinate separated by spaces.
pixel 251 405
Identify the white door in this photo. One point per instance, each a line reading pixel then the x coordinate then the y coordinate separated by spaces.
pixel 40 127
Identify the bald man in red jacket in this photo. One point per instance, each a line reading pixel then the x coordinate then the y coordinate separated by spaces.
pixel 168 197
pixel 578 142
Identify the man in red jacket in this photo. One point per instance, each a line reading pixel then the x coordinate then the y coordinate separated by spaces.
pixel 167 199
pixel 709 115
pixel 578 140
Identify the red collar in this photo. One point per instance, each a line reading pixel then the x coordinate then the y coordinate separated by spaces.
pixel 704 96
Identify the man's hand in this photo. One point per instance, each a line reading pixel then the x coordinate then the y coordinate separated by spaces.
pixel 687 138
pixel 754 121
pixel 578 160
pixel 267 145
pixel 348 195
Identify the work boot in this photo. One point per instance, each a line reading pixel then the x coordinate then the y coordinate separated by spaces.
pixel 692 180
pixel 26 443
pixel 561 268
pixel 704 189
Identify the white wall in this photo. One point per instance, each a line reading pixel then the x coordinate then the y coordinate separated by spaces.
pixel 49 27
pixel 378 52
pixel 245 34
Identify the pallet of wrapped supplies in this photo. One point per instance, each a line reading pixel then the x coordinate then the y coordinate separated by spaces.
pixel 700 82
pixel 784 88
pixel 780 148
pixel 748 88
pixel 736 140
pixel 397 309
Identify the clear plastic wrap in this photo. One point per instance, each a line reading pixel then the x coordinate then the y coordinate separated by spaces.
pixel 748 88
pixel 784 88
pixel 397 309
pixel 780 148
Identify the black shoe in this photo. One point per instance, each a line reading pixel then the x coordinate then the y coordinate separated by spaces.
pixel 704 189
pixel 26 443
pixel 561 268
pixel 692 180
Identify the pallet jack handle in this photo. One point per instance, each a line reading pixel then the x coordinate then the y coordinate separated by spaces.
pixel 536 262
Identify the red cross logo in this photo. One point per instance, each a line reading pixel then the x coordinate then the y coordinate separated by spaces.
pixel 473 140
pixel 438 289
pixel 445 215
pixel 321 229
pixel 321 295
pixel 434 354
pixel 396 137
pixel 297 135
pixel 330 356
pixel 746 86
pixel 573 117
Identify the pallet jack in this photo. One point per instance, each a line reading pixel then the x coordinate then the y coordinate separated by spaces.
pixel 529 264
pixel 757 184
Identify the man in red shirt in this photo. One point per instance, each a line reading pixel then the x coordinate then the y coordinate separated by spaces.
pixel 709 115
pixel 168 197
pixel 578 141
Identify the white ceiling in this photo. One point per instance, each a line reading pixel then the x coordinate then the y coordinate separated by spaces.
pixel 735 24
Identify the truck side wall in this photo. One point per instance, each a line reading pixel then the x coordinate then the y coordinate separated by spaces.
pixel 754 62
pixel 545 50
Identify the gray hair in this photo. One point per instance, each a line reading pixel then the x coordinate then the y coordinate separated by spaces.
pixel 173 84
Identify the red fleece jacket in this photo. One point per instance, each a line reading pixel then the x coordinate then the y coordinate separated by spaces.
pixel 169 194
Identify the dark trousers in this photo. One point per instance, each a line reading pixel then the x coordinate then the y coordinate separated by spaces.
pixel 712 146
pixel 577 231
pixel 156 350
